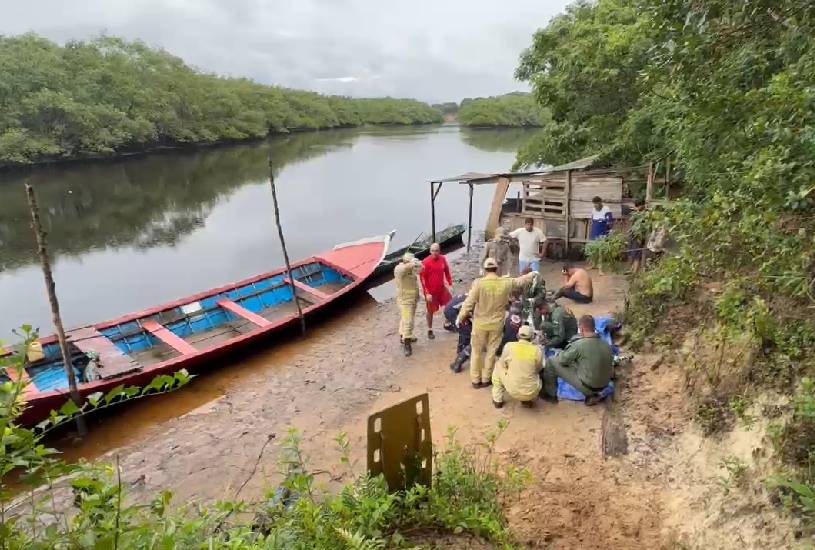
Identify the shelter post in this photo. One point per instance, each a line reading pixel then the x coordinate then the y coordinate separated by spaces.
pixel 470 219
pixel 433 210
pixel 568 208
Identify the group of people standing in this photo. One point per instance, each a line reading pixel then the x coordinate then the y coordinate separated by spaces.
pixel 511 364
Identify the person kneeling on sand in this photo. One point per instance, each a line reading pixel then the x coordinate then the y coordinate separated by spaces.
pixel 517 372
pixel 587 364
pixel 578 285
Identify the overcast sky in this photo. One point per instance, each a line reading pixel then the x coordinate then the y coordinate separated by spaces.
pixel 433 50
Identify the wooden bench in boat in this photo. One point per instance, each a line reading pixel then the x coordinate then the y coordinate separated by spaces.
pixel 166 336
pixel 112 360
pixel 241 311
pixel 308 289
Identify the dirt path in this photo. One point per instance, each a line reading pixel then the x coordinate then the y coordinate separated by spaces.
pixel 351 366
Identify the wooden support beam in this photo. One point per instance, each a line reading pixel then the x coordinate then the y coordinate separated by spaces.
pixel 649 185
pixel 568 208
pixel 470 220
pixel 241 311
pixel 494 219
pixel 433 210
pixel 164 334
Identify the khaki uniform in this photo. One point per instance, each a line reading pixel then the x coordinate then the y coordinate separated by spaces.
pixel 560 328
pixel 407 295
pixel 498 249
pixel 517 372
pixel 487 303
pixel 587 364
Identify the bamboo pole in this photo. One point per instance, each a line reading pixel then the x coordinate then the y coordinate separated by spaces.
pixel 50 288
pixel 285 252
pixel 568 209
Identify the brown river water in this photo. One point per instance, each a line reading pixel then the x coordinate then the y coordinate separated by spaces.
pixel 133 233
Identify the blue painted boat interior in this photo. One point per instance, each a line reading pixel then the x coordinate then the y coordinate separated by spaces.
pixel 129 337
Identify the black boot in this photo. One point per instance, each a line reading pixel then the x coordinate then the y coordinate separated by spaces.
pixel 407 347
pixel 458 363
pixel 497 404
pixel 528 404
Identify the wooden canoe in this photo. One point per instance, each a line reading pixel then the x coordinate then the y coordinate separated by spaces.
pixel 421 249
pixel 192 332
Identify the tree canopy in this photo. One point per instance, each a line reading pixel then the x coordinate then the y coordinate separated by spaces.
pixel 510 110
pixel 107 95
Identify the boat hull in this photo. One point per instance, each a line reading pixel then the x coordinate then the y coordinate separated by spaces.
pixel 354 262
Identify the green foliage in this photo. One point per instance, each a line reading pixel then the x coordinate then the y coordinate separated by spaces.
pixel 508 110
pixel 736 474
pixel 725 89
pixel 107 95
pixel 607 252
pixel 464 498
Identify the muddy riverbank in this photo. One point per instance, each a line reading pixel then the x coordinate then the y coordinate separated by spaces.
pixel 657 496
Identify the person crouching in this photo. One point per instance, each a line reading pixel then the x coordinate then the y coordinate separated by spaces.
pixel 517 371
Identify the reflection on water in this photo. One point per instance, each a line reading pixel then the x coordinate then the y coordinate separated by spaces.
pixel 133 233
pixel 508 140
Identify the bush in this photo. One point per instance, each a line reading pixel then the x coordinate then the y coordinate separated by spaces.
pixel 607 252
pixel 465 497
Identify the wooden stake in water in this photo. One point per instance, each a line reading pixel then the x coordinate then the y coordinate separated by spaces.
pixel 285 252
pixel 50 288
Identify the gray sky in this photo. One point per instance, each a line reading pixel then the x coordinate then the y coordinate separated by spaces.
pixel 432 50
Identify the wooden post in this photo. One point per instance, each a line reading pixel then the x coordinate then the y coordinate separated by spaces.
pixel 470 219
pixel 285 252
pixel 667 178
pixel 433 210
pixel 649 185
pixel 494 219
pixel 51 289
pixel 568 208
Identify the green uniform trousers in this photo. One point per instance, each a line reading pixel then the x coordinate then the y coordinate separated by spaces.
pixel 484 344
pixel 552 371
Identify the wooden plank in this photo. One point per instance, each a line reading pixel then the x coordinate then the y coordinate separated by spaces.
pixel 112 360
pixel 649 186
pixel 163 334
pixel 494 218
pixel 310 290
pixel 241 311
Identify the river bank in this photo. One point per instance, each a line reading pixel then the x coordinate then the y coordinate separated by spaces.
pixel 666 492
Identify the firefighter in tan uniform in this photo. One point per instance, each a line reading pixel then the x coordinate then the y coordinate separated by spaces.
pixel 407 297
pixel 517 371
pixel 487 304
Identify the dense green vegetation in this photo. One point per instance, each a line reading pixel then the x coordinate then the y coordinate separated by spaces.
pixel 109 95
pixel 515 109
pixel 463 501
pixel 727 91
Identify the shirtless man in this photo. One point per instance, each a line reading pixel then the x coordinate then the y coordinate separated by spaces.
pixel 578 285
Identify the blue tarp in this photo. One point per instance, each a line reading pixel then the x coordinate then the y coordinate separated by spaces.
pixel 565 390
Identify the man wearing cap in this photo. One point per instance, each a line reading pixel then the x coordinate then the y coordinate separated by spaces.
pixel 407 297
pixel 499 250
pixel 518 371
pixel 587 364
pixel 487 304
pixel 560 325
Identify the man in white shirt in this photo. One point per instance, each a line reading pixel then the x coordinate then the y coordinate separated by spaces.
pixel 530 239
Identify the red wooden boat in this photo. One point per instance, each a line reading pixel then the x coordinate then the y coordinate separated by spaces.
pixel 192 332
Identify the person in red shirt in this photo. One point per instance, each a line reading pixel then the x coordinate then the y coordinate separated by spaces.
pixel 434 274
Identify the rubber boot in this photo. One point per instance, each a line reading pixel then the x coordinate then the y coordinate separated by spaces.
pixel 458 363
pixel 497 404
pixel 407 347
pixel 528 404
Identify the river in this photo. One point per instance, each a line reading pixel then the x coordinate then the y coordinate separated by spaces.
pixel 132 233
